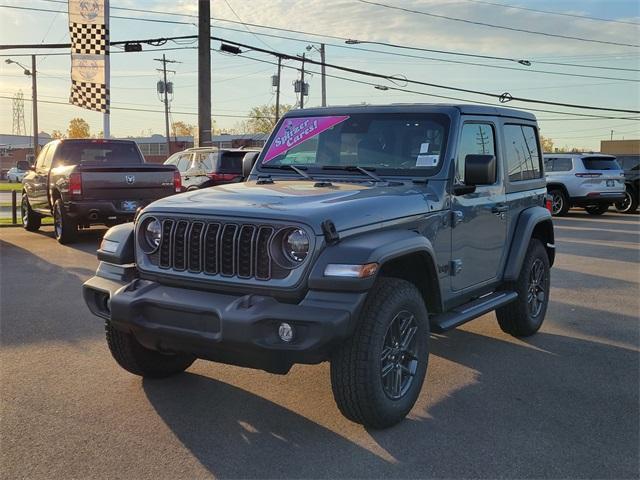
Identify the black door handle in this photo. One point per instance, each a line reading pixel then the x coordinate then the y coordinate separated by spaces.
pixel 500 208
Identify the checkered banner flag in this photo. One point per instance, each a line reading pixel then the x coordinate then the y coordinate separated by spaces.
pixel 88 39
pixel 88 28
pixel 92 96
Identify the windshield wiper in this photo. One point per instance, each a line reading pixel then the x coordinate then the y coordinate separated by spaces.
pixel 299 170
pixel 355 168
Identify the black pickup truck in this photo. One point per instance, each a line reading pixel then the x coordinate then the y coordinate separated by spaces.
pixel 91 181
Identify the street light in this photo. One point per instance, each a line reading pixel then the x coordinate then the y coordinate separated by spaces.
pixel 322 70
pixel 34 98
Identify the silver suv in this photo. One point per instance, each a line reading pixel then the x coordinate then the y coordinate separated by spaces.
pixel 591 180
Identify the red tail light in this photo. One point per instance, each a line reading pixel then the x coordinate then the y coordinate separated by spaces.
pixel 75 184
pixel 177 181
pixel 222 177
pixel 549 203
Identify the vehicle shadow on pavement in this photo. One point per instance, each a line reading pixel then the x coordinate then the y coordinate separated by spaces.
pixel 88 240
pixel 540 408
pixel 527 413
pixel 236 434
pixel 41 301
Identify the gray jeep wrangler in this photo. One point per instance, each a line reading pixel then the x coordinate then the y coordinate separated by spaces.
pixel 359 231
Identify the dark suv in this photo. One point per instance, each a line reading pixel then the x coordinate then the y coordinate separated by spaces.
pixel 631 166
pixel 203 167
pixel 360 230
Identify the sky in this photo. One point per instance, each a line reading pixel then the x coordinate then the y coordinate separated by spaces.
pixel 240 82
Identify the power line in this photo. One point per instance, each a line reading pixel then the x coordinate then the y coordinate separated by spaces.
pixel 582 116
pixel 504 97
pixel 563 14
pixel 513 29
pixel 407 47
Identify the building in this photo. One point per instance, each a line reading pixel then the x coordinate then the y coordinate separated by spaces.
pixel 18 147
pixel 154 148
pixel 620 147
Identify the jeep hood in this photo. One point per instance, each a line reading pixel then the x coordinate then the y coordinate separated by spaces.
pixel 347 205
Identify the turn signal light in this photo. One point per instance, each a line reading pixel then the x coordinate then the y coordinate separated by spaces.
pixel 351 271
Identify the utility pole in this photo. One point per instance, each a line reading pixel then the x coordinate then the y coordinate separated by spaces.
pixel 302 83
pixel 34 94
pixel 204 73
pixel 324 76
pixel 165 91
pixel 278 90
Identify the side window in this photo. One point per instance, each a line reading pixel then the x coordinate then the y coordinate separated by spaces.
pixel 48 157
pixel 523 156
pixel 204 161
pixel 41 156
pixel 184 162
pixel 172 160
pixel 477 139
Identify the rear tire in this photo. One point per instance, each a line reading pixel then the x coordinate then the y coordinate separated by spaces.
pixel 559 202
pixel 136 359
pixel 65 228
pixel 524 316
pixel 597 209
pixel 377 374
pixel 31 221
pixel 630 202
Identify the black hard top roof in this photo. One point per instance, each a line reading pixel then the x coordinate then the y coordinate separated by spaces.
pixel 463 109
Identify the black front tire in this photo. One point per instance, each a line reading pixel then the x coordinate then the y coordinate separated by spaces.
pixel 65 228
pixel 524 316
pixel 559 202
pixel 375 379
pixel 597 209
pixel 630 202
pixel 136 359
pixel 31 221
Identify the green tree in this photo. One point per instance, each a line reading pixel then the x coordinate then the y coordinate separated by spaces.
pixel 262 118
pixel 78 128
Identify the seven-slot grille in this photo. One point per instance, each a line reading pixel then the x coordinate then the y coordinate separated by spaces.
pixel 215 248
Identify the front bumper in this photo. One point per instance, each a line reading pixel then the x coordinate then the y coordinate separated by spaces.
pixel 236 329
pixel 608 198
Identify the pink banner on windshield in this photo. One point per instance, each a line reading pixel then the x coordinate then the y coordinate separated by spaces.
pixel 295 131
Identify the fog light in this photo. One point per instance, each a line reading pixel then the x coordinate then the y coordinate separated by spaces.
pixel 285 332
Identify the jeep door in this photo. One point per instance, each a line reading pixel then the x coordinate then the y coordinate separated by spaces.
pixel 479 225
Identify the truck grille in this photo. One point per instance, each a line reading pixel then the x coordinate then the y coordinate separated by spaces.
pixel 225 249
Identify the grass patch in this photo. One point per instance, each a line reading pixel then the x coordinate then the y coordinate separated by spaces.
pixel 7 221
pixel 7 187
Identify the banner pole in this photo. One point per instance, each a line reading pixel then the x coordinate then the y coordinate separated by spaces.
pixel 106 121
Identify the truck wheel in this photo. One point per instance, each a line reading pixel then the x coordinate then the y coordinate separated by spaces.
pixel 524 316
pixel 65 229
pixel 30 220
pixel 141 361
pixel 377 374
pixel 597 209
pixel 559 203
pixel 630 202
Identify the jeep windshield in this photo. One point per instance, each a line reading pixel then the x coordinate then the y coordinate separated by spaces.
pixel 388 143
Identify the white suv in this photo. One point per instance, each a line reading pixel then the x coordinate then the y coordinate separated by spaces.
pixel 590 180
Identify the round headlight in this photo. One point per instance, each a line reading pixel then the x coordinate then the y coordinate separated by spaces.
pixel 296 245
pixel 151 230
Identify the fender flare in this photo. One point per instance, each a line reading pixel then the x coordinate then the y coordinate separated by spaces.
pixel 377 246
pixel 528 220
pixel 120 242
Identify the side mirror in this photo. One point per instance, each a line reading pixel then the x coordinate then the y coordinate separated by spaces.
pixel 23 165
pixel 479 170
pixel 248 161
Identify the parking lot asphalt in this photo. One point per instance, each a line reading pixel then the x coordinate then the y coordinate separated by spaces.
pixel 561 404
